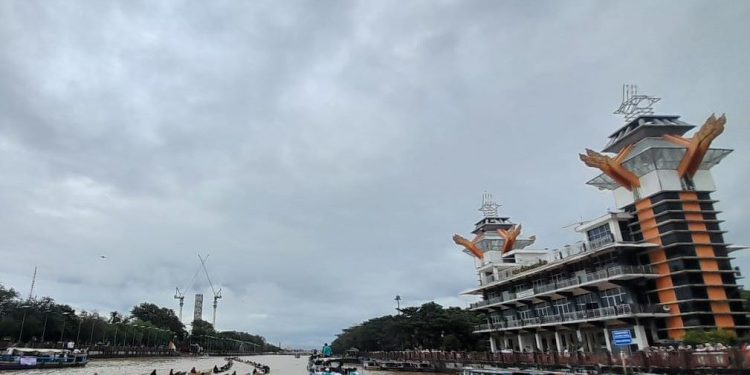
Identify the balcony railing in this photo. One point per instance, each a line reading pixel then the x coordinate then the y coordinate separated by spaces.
pixel 590 314
pixel 567 283
pixel 564 253
pixel 674 362
pixel 601 242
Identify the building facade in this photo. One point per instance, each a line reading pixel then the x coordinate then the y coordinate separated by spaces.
pixel 656 268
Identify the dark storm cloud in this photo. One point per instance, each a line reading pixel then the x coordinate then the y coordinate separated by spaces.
pixel 324 152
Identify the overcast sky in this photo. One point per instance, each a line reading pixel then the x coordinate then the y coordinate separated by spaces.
pixel 324 152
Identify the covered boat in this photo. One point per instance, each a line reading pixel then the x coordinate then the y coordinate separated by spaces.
pixel 31 358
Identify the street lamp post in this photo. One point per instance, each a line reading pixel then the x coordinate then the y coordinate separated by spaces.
pixel 62 332
pixel 23 321
pixel 78 334
pixel 114 340
pixel 44 330
pixel 91 338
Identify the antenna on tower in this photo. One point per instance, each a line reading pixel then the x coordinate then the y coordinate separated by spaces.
pixel 489 207
pixel 33 282
pixel 217 294
pixel 180 296
pixel 634 104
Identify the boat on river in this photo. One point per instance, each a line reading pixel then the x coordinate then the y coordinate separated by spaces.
pixel 35 358
pixel 318 365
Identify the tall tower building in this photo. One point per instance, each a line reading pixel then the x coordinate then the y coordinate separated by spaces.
pixel 663 178
pixel 198 310
pixel 640 276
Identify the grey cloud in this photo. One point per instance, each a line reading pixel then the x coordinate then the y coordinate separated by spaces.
pixel 324 153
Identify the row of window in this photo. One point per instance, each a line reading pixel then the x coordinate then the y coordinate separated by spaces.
pixel 689 251
pixel 705 306
pixel 703 196
pixel 594 265
pixel 607 298
pixel 708 320
pixel 695 265
pixel 689 292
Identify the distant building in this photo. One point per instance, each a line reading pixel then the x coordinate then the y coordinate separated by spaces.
pixel 657 267
pixel 198 310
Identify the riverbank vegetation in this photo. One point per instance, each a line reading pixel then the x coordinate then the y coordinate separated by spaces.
pixel 44 322
pixel 429 326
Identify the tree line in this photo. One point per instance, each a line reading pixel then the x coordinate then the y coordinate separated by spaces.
pixel 44 322
pixel 429 326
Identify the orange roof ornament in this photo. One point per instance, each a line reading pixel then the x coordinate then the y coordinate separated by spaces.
pixel 468 245
pixel 510 236
pixel 612 167
pixel 698 145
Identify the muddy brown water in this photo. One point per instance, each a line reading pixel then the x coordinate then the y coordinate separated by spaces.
pixel 280 365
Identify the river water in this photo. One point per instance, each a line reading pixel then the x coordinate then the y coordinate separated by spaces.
pixel 280 365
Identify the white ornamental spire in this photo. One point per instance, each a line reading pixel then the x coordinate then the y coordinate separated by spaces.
pixel 489 207
pixel 634 104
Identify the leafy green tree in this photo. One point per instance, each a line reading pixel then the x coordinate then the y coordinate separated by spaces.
pixel 160 317
pixel 259 342
pixel 429 326
pixel 7 294
pixel 695 337
pixel 202 328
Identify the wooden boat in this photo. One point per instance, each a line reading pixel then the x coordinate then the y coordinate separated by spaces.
pixel 34 358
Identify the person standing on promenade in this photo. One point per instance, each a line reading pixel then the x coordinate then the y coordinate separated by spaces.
pixel 327 350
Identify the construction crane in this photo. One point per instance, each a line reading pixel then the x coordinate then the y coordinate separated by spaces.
pixel 217 294
pixel 180 296
pixel 33 282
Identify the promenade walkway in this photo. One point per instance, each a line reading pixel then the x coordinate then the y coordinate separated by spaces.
pixel 676 362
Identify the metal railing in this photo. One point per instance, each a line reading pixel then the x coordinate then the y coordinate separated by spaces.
pixel 569 282
pixel 682 361
pixel 559 256
pixel 588 314
pixel 601 242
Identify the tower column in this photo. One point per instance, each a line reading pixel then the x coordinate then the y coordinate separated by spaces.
pixel 607 339
pixel 640 335
pixel 538 338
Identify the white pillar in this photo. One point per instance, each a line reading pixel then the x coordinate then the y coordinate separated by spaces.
pixel 558 341
pixel 493 345
pixel 538 338
pixel 579 336
pixel 608 339
pixel 640 336
pixel 520 342
pixel 654 332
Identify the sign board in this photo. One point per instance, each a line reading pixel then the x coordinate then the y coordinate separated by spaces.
pixel 622 337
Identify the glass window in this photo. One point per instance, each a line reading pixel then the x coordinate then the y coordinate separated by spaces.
pixel 543 309
pixel 525 313
pixel 613 297
pixel 586 301
pixel 562 306
pixel 600 235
